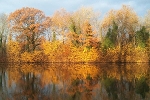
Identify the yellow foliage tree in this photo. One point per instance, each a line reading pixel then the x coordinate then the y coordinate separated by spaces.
pixel 29 25
pixel 50 49
pixel 13 50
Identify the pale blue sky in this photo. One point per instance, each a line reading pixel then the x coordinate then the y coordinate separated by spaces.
pixel 50 6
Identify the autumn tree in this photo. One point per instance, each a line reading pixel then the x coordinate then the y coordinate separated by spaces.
pixel 28 25
pixel 126 20
pixel 73 34
pixel 48 23
pixel 87 37
pixel 3 33
pixel 142 37
pixel 13 50
pixel 60 23
pixel 82 15
pixel 146 24
pixel 147 21
pixel 79 19
pixel 111 37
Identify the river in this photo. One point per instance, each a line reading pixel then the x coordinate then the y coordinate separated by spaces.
pixel 74 81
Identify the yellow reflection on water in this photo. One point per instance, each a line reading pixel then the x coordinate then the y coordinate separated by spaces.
pixel 56 72
pixel 74 79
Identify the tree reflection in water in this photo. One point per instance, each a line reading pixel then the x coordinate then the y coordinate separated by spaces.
pixel 142 87
pixel 61 81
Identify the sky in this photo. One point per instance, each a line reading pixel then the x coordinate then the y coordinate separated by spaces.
pixel 50 6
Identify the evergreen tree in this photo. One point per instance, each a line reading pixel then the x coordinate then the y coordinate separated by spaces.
pixel 111 37
pixel 142 37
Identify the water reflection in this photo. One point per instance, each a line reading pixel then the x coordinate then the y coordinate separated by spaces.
pixel 60 81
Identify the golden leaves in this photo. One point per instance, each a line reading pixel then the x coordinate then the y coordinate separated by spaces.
pixel 78 31
pixel 107 21
pixel 125 18
pixel 30 24
pixel 13 51
pixel 61 18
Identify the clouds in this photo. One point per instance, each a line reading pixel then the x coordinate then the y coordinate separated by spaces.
pixel 139 6
pixel 50 6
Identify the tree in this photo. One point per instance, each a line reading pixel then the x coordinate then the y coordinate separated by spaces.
pixel 13 50
pixel 111 37
pixel 142 87
pixel 29 25
pixel 80 21
pixel 3 33
pixel 107 22
pixel 82 15
pixel 126 20
pixel 60 23
pixel 73 34
pixel 142 37
pixel 147 21
pixel 87 37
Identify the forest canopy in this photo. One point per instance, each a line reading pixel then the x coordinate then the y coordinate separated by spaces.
pixel 28 35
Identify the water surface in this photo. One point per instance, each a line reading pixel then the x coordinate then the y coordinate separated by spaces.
pixel 80 81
